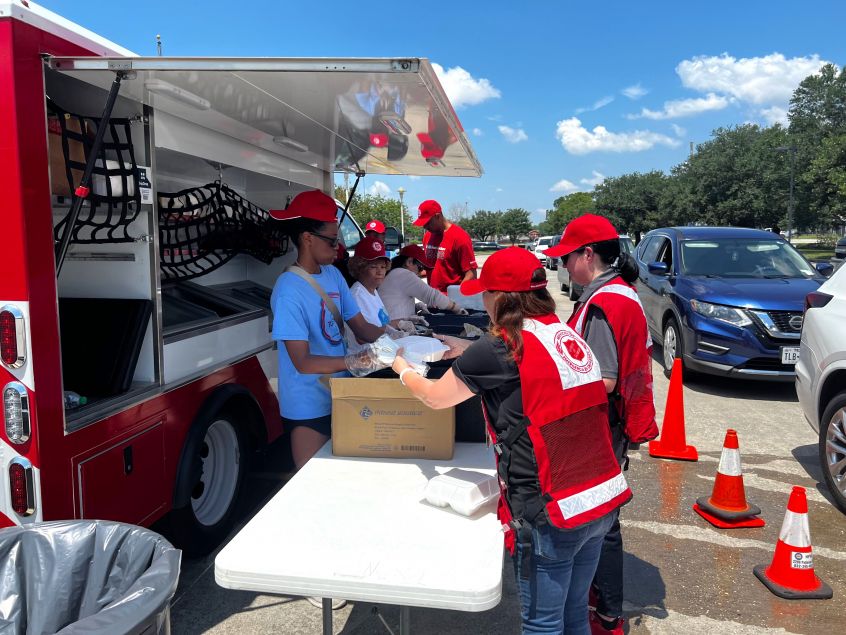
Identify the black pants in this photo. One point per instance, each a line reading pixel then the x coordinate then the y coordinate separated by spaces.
pixel 609 572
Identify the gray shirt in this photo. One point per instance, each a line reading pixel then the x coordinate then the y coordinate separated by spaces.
pixel 597 332
pixel 401 287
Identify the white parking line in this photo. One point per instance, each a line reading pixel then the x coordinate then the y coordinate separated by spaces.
pixel 769 485
pixel 705 534
pixel 678 623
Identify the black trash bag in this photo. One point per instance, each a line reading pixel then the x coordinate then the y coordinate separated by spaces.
pixel 86 577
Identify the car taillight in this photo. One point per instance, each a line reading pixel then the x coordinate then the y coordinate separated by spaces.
pixel 12 337
pixel 16 412
pixel 816 299
pixel 21 490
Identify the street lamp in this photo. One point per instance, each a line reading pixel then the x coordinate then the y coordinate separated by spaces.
pixel 792 150
pixel 401 192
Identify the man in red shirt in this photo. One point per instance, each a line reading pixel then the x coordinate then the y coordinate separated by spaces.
pixel 447 245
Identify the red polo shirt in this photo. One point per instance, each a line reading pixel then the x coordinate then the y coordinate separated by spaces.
pixel 452 253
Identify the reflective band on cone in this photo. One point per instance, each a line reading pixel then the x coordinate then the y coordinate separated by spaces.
pixel 791 573
pixel 727 508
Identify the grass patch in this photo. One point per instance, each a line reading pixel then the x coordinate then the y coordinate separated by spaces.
pixel 814 253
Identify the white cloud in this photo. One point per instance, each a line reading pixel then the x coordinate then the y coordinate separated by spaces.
pixel 775 114
pixel 513 135
pixel 379 189
pixel 757 80
pixel 499 189
pixel 599 103
pixel 414 178
pixel 462 88
pixel 596 179
pixel 478 132
pixel 577 139
pixel 684 108
pixel 680 132
pixel 634 92
pixel 564 186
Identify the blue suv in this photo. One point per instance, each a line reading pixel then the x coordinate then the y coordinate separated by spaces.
pixel 726 300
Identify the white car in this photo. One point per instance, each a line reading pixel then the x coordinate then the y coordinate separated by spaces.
pixel 821 378
pixel 544 242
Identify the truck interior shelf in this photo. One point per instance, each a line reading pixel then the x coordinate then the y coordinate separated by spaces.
pixel 187 306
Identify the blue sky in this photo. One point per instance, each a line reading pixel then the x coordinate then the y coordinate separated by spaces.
pixel 554 95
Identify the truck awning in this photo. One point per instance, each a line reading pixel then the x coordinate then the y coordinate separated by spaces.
pixel 371 115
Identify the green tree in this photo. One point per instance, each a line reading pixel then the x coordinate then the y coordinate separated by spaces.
pixel 483 225
pixel 631 201
pixel 565 209
pixel 514 223
pixel 366 207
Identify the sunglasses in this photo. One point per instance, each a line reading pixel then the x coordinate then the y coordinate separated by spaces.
pixel 332 242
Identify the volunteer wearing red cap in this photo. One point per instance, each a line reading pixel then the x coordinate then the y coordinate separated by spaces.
pixel 368 267
pixel 375 228
pixel 610 318
pixel 546 408
pixel 403 286
pixel 447 245
pixel 310 303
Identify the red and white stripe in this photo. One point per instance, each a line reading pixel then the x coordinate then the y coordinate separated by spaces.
pixel 619 289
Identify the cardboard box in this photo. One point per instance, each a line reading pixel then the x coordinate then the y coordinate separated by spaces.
pixel 381 418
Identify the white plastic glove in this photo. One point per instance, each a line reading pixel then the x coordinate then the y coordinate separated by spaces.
pixel 462 311
pixel 418 319
pixel 407 327
pixel 422 309
pixel 376 356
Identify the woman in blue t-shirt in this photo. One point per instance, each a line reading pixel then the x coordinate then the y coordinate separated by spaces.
pixel 311 341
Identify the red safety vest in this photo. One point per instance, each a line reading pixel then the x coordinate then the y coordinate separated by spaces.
pixel 624 312
pixel 565 406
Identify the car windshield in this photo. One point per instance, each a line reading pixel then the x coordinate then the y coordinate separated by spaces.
pixel 743 258
pixel 348 231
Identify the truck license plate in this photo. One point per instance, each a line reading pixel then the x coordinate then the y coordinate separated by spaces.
pixel 789 354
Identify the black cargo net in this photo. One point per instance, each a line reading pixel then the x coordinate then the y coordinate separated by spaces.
pixel 114 199
pixel 202 228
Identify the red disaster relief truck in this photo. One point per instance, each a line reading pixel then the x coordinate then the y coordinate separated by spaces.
pixel 138 256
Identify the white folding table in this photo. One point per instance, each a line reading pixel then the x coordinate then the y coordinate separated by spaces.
pixel 361 529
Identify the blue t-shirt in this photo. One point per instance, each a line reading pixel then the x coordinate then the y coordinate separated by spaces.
pixel 300 314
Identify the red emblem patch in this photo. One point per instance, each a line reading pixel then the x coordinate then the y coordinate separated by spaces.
pixel 575 353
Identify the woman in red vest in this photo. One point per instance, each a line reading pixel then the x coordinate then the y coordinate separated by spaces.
pixel 610 318
pixel 546 407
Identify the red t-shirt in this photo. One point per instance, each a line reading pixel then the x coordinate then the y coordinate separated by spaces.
pixel 452 253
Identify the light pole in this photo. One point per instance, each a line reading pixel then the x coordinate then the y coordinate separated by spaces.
pixel 401 192
pixel 792 150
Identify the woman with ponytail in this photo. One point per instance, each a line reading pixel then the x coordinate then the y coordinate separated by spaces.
pixel 611 320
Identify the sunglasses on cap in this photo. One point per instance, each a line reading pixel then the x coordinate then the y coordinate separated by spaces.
pixel 332 242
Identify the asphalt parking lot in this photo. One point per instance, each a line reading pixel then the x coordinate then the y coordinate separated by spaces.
pixel 682 575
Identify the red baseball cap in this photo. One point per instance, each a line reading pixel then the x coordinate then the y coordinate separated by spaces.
pixel 375 226
pixel 508 270
pixel 427 210
pixel 370 248
pixel 582 231
pixel 418 253
pixel 312 204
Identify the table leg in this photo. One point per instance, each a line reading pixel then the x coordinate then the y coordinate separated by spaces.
pixel 327 616
pixel 405 620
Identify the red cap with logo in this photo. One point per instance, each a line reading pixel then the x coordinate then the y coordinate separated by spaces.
pixel 370 248
pixel 582 231
pixel 427 210
pixel 375 226
pixel 508 270
pixel 416 252
pixel 312 204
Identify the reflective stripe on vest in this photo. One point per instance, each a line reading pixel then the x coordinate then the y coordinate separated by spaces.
pixel 619 289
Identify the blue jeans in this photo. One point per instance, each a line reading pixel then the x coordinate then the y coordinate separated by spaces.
pixel 554 598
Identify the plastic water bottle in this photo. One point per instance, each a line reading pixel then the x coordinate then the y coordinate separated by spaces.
pixel 73 400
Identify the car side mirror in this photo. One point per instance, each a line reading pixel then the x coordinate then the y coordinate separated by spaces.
pixel 393 239
pixel 825 268
pixel 658 268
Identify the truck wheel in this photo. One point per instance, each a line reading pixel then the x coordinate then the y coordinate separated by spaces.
pixel 217 469
pixel 833 449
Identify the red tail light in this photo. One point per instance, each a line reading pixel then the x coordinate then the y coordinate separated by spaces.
pixel 21 487
pixel 12 342
pixel 816 299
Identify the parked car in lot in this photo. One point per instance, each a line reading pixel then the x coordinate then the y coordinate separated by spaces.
pixel 840 249
pixel 483 245
pixel 552 262
pixel 726 300
pixel 574 289
pixel 544 242
pixel 821 378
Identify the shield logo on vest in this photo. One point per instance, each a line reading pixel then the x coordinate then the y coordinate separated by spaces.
pixel 575 353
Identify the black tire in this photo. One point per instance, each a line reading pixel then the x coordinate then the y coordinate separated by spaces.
pixel 217 469
pixel 572 293
pixel 832 447
pixel 563 288
pixel 672 345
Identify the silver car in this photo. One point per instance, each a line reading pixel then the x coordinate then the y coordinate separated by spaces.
pixel 821 378
pixel 574 289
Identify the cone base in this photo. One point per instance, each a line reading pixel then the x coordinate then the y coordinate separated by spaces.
pixel 823 592
pixel 732 523
pixel 726 514
pixel 659 451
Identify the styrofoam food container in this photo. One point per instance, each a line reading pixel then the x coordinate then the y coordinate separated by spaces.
pixel 426 349
pixel 98 181
pixel 463 490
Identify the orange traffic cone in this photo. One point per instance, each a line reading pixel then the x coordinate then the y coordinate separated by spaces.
pixel 672 444
pixel 727 508
pixel 791 573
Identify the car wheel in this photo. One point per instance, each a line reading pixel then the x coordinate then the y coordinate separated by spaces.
pixel 572 293
pixel 833 449
pixel 218 467
pixel 672 344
